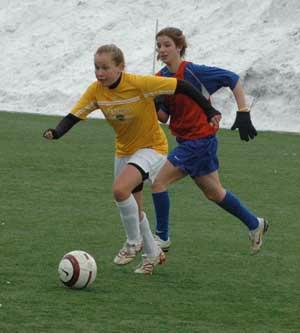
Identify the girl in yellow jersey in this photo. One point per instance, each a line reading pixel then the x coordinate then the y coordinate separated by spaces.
pixel 127 102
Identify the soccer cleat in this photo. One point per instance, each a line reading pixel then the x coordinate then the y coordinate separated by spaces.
pixel 148 263
pixel 256 235
pixel 127 253
pixel 163 244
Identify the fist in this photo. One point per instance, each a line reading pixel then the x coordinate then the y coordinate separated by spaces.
pixel 215 120
pixel 48 134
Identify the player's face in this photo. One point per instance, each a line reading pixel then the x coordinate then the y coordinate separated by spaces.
pixel 167 50
pixel 106 71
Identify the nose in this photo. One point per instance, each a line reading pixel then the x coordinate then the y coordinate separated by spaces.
pixel 99 73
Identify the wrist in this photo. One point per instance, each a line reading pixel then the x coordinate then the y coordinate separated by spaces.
pixel 55 134
pixel 244 109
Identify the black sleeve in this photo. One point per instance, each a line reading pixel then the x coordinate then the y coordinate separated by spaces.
pixel 65 125
pixel 160 104
pixel 186 88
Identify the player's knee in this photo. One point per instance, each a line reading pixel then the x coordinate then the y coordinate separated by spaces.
pixel 214 196
pixel 120 193
pixel 157 186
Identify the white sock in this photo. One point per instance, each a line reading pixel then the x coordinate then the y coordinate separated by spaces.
pixel 129 213
pixel 151 249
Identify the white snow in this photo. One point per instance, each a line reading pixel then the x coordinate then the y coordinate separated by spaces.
pixel 47 48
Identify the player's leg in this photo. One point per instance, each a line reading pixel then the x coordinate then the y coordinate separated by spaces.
pixel 212 188
pixel 153 254
pixel 127 179
pixel 167 175
pixel 139 198
pixel 149 245
pixel 148 162
pixel 204 171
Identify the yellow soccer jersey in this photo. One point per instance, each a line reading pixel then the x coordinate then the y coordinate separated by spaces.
pixel 130 110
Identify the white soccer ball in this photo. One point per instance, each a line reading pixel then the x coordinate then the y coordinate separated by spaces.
pixel 77 269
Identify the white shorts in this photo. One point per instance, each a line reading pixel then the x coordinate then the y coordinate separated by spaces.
pixel 149 160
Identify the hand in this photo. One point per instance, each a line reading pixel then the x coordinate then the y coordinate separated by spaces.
pixel 245 126
pixel 49 134
pixel 162 116
pixel 214 117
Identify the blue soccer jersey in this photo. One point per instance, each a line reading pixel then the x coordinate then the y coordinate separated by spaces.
pixel 210 79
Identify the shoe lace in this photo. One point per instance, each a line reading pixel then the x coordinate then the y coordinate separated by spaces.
pixel 147 266
pixel 124 250
pixel 128 249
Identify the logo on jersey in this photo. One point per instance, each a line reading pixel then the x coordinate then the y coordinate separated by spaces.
pixel 119 115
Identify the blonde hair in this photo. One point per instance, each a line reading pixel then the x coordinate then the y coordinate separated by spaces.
pixel 177 36
pixel 116 53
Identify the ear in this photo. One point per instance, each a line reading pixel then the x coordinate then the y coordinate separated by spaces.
pixel 121 67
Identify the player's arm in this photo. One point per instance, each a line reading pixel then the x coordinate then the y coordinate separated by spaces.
pixel 81 110
pixel 214 78
pixel 186 88
pixel 62 127
pixel 173 86
pixel 243 119
pixel 239 95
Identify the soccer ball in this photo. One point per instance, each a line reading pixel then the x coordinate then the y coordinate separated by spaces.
pixel 77 269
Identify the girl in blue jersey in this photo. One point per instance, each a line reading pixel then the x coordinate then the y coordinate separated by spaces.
pixel 196 153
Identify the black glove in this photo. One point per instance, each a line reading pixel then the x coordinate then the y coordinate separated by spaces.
pixel 245 126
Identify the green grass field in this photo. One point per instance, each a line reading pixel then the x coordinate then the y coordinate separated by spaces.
pixel 56 197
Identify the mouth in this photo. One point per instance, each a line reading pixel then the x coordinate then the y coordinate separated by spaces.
pixel 102 81
pixel 163 57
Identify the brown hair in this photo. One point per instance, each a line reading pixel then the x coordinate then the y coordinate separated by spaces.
pixel 116 53
pixel 176 35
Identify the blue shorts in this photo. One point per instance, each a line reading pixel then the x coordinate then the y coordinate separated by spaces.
pixel 196 157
